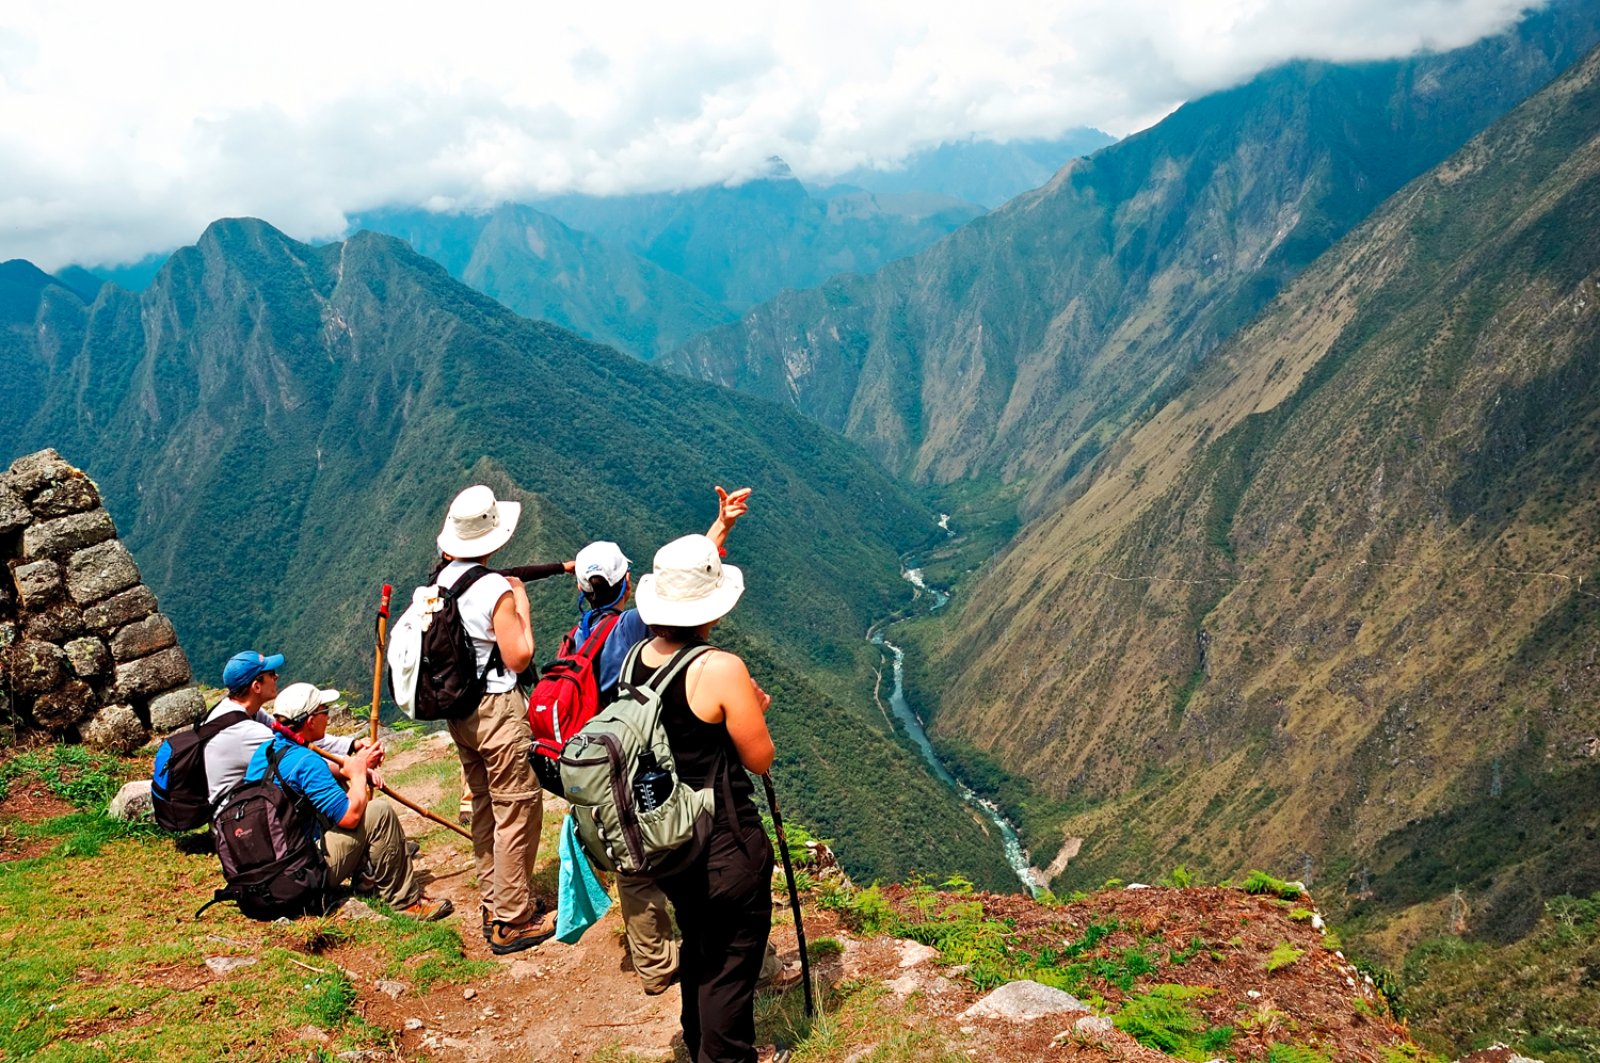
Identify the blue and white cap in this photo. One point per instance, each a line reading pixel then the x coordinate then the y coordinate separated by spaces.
pixel 603 559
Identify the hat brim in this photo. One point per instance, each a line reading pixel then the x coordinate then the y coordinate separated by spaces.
pixel 656 610
pixel 483 545
pixel 323 697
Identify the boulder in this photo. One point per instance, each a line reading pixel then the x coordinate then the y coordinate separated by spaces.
pixel 55 624
pixel 88 657
pixel 176 708
pixel 14 513
pixel 1093 1026
pixel 152 674
pixel 142 638
pixel 120 609
pixel 38 583
pixel 73 495
pixel 65 535
pixel 132 801
pixel 227 964
pixel 33 471
pixel 65 705
pixel 115 728
pixel 35 667
pixel 1022 1001
pixel 100 571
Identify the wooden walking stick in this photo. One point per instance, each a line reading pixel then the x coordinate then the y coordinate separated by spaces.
pixel 794 893
pixel 377 664
pixel 412 805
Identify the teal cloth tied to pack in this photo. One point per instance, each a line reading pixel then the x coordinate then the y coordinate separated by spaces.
pixel 583 900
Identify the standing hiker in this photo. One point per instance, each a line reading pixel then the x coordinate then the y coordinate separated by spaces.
pixel 359 831
pixel 493 741
pixel 714 715
pixel 603 578
pixel 251 679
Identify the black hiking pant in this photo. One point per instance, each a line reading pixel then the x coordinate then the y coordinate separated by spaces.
pixel 724 908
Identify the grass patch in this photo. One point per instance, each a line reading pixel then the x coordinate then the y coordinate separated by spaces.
pixel 83 778
pixel 1259 882
pixel 1283 955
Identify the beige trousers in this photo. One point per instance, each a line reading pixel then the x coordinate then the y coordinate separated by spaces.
pixel 650 944
pixel 380 842
pixel 507 804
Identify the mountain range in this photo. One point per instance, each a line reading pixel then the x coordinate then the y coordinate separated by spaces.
pixel 277 429
pixel 1024 342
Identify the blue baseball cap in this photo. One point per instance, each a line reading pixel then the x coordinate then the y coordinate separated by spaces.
pixel 242 668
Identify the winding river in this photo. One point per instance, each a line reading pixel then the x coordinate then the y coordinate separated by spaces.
pixel 1016 856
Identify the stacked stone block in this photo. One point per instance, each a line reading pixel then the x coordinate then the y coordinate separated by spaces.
pixel 85 654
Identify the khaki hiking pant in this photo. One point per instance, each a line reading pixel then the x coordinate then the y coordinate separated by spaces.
pixel 380 842
pixel 507 803
pixel 650 945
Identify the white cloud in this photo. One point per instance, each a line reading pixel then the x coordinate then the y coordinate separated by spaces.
pixel 126 128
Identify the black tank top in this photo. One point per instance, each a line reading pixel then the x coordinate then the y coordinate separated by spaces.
pixel 699 748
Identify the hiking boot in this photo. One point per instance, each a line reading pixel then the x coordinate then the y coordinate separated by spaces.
pixel 427 910
pixel 539 908
pixel 508 937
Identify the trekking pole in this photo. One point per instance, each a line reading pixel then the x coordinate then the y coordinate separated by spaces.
pixel 377 664
pixel 412 805
pixel 794 893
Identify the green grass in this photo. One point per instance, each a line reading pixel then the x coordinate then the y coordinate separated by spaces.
pixel 101 956
pixel 1283 955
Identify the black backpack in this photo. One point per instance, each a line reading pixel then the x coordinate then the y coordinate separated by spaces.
pixel 449 684
pixel 178 788
pixel 272 864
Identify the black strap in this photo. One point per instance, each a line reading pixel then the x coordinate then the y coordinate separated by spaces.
pixel 463 583
pixel 728 800
pixel 209 730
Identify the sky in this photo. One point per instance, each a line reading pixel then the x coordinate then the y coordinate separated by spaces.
pixel 126 128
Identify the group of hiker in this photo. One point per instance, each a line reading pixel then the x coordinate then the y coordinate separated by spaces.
pixel 271 772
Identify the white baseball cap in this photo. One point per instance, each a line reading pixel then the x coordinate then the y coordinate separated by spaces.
pixel 296 703
pixel 689 586
pixel 603 559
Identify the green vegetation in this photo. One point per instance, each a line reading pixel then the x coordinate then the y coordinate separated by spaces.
pixel 1296 1054
pixel 1282 956
pixel 104 959
pixel 1261 882
pixel 1159 1019
pixel 1532 994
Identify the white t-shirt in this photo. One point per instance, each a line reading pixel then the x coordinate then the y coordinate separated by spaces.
pixel 477 616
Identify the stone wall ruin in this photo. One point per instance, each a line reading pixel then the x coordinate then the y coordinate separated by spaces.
pixel 85 654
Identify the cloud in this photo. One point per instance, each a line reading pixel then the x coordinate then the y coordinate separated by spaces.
pixel 129 129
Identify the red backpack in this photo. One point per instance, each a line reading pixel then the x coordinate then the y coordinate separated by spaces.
pixel 566 697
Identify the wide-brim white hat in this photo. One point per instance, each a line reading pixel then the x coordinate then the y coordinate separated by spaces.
pixel 478 524
pixel 299 700
pixel 689 586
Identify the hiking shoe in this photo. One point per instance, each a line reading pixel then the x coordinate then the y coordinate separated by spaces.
pixel 506 937
pixel 539 908
pixel 427 910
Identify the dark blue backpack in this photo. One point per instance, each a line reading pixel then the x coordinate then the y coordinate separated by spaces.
pixel 178 785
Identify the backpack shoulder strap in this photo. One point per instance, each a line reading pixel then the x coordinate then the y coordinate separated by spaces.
pixel 208 731
pixel 597 637
pixel 464 582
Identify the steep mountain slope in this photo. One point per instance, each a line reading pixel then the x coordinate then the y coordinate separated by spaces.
pixel 746 243
pixel 277 429
pixel 1023 342
pixel 538 267
pixel 980 171
pixel 1334 604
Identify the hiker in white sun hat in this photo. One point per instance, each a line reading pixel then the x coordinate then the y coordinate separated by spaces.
pixel 601 569
pixel 492 742
pixel 711 708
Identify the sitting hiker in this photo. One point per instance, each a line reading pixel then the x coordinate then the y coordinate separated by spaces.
pixel 360 831
pixel 251 680
pixel 602 572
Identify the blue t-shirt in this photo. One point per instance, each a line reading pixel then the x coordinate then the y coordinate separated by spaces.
pixel 304 772
pixel 629 632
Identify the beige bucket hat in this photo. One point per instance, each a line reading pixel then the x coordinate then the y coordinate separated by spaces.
pixel 478 524
pixel 689 586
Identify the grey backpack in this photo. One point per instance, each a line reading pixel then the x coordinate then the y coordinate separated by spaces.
pixel 634 815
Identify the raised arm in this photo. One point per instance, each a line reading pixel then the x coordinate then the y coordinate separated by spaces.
pixel 730 507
